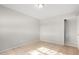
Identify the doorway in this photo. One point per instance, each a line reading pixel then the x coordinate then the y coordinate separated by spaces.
pixel 65 24
pixel 70 32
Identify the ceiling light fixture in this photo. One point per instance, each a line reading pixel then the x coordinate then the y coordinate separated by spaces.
pixel 39 5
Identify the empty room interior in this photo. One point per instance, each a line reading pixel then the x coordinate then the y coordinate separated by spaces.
pixel 39 29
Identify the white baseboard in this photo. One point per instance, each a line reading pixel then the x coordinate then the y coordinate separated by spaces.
pixel 21 44
pixel 71 44
pixel 67 44
pixel 54 42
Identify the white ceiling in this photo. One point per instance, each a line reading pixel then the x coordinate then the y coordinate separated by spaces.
pixel 49 10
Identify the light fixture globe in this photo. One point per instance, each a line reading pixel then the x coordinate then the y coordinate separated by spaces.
pixel 39 5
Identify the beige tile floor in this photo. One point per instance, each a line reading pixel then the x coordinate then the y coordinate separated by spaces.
pixel 42 48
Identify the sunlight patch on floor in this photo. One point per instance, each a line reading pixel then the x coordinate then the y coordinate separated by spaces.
pixel 35 52
pixel 44 51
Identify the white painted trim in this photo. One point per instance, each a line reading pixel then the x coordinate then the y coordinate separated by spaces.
pixel 19 45
pixel 71 44
pixel 54 42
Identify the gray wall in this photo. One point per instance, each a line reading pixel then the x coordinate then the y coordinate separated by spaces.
pixel 52 30
pixel 16 28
